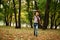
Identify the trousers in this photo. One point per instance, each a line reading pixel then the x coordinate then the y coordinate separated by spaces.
pixel 35 29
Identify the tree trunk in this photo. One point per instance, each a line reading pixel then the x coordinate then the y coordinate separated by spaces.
pixel 31 23
pixel 46 20
pixel 55 13
pixel 51 22
pixel 36 6
pixel 10 19
pixel 15 13
pixel 10 13
pixel 6 21
pixel 0 1
pixel 55 25
pixel 6 18
pixel 19 15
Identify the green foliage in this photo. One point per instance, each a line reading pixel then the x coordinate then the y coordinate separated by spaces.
pixel 30 15
pixel 1 16
pixel 41 4
pixel 0 10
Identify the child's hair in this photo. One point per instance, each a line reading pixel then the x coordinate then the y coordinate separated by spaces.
pixel 34 13
pixel 37 11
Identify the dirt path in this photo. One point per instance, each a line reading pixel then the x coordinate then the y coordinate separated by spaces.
pixel 27 34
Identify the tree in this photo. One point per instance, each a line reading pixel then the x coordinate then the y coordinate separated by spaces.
pixel 10 12
pixel 29 12
pixel 0 1
pixel 57 10
pixel 15 13
pixel 46 20
pixel 19 15
pixel 6 12
pixel 54 14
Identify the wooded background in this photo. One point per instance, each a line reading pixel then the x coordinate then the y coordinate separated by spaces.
pixel 21 11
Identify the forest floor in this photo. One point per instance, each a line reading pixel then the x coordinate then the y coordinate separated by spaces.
pixel 10 33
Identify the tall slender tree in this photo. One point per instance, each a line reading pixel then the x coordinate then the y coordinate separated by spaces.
pixel 0 1
pixel 19 15
pixel 6 7
pixel 55 9
pixel 53 17
pixel 36 6
pixel 15 13
pixel 10 14
pixel 29 13
pixel 46 20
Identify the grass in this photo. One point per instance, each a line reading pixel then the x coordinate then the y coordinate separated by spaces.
pixel 10 33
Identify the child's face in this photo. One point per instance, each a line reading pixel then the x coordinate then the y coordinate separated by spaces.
pixel 37 14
